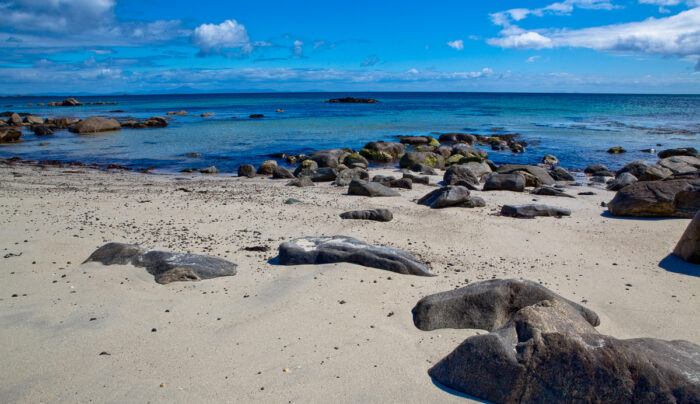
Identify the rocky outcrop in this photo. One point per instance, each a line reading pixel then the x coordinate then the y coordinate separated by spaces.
pixel 383 152
pixel 428 158
pixel 505 182
pixel 621 181
pixel 451 196
pixel 533 210
pixel 378 215
pixel 469 173
pixel 668 198
pixel 96 124
pixel 171 113
pixel 42 130
pixel 152 122
pixel 68 102
pixel 10 135
pixel 544 348
pixel 680 164
pixel 14 120
pixel 165 266
pixel 372 189
pixel 682 151
pixel 329 250
pixel 329 158
pixel 688 247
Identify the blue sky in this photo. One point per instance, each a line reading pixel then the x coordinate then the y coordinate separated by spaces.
pixel 157 46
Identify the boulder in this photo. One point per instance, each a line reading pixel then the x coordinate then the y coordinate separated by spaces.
pixel 540 174
pixel 165 266
pixel 418 140
pixel 561 174
pixel 423 169
pixel 329 250
pixel 655 173
pixel 305 165
pixel 505 182
pixel 355 160
pixel 96 124
pixel 427 158
pixel 325 174
pixel 383 152
pixel 33 120
pixel 542 348
pixel 42 130
pixel 246 170
pixel 621 181
pixel 470 173
pixel 281 173
pixel 372 189
pixel 417 179
pixel 598 170
pixel 688 247
pixel 68 102
pixel 550 160
pixel 533 210
pixel 550 191
pixel 209 170
pixel 392 182
pixel 301 182
pixel 344 177
pixel 616 150
pixel 15 120
pixel 681 164
pixel 669 198
pixel 170 113
pixel 457 138
pixel 469 153
pixel 378 215
pixel 328 158
pixel 61 123
pixel 10 135
pixel 267 167
pixel 451 196
pixel 683 151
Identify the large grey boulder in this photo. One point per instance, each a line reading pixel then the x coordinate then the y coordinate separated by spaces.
pixel 96 124
pixel 682 151
pixel 246 170
pixel 542 348
pixel 373 189
pixel 461 175
pixel 688 247
pixel 267 167
pixel 541 175
pixel 598 170
pixel 428 158
pixel 280 173
pixel 451 196
pixel 378 215
pixel 383 152
pixel 561 174
pixel 533 210
pixel 669 198
pixel 329 250
pixel 680 164
pixel 345 177
pixel 622 180
pixel 329 158
pixel 505 182
pixel 165 266
pixel 324 174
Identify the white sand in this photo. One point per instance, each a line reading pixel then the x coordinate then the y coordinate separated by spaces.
pixel 216 344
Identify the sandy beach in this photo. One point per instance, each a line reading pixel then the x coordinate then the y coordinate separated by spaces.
pixel 327 333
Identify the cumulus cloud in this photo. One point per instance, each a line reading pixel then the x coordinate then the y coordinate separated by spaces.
pixel 677 35
pixel 458 44
pixel 214 37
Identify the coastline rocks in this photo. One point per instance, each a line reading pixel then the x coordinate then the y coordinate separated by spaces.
pixel 33 120
pixel 329 250
pixel 469 153
pixel 392 182
pixel 378 215
pixel 457 138
pixel 680 164
pixel 41 130
pixel 267 167
pixel 688 247
pixel 61 123
pixel 165 266
pixel 14 120
pixel 616 150
pixel 505 182
pixel 544 348
pixel 209 170
pixel 280 173
pixel 470 173
pixel 383 152
pixel 622 180
pixel 68 102
pixel 550 191
pixel 550 160
pixel 451 196
pixel 152 122
pixel 207 115
pixel 427 158
pixel 561 174
pixel 539 175
pixel 683 151
pixel 325 174
pixel 669 198
pixel 246 170
pixel 352 100
pixel 256 116
pixel 533 210
pixel 343 178
pixel 301 182
pixel 10 135
pixel 417 179
pixel 96 124
pixel 371 189
pixel 598 170
pixel 171 113
pixel 328 158
pixel 355 160
pixel 419 140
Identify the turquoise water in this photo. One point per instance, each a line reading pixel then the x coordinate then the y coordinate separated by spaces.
pixel 576 128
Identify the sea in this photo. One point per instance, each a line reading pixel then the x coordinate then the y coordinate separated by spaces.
pixel 577 128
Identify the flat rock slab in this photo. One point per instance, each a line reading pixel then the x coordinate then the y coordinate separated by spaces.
pixel 505 182
pixel 532 211
pixel 329 250
pixel 668 198
pixel 543 348
pixel 550 191
pixel 373 189
pixel 379 215
pixel 165 266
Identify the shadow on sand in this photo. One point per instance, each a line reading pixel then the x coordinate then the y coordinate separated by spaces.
pixel 672 263
pixel 607 215
pixel 456 393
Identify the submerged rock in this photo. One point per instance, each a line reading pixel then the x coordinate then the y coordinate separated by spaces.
pixel 329 250
pixel 379 215
pixel 688 247
pixel 681 151
pixel 165 266
pixel 533 210
pixel 544 348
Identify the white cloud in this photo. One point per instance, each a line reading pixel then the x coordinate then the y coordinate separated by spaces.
pixel 298 48
pixel 458 44
pixel 677 35
pixel 229 34
pixel 532 59
pixel 504 18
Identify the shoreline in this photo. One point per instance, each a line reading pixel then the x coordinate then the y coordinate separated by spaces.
pixel 231 338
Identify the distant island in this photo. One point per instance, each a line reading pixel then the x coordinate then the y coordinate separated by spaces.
pixel 352 100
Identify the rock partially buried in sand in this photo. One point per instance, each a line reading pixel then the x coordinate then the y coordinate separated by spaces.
pixel 378 215
pixel 451 196
pixel 329 250
pixel 372 189
pixel 532 211
pixel 165 266
pixel 688 247
pixel 505 182
pixel 550 191
pixel 544 348
pixel 669 198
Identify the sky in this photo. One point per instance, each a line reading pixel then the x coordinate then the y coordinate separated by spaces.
pixel 156 46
